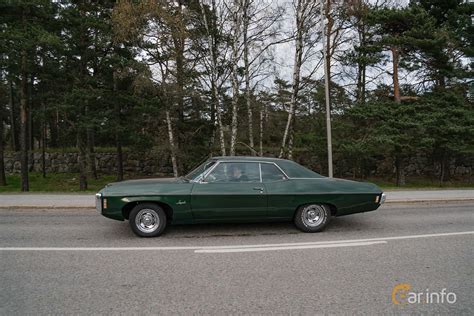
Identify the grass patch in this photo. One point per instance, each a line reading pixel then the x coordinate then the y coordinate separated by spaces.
pixel 55 182
pixel 420 184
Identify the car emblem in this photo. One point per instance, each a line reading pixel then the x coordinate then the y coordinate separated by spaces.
pixel 180 202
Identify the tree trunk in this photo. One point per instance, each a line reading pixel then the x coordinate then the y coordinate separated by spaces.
pixel 261 130
pixel 396 84
pixel 91 167
pixel 247 74
pixel 31 143
pixel 363 67
pixel 172 144
pixel 234 123
pixel 330 24
pixel 400 171
pixel 89 150
pixel 118 143
pixel 441 82
pixel 81 144
pixel 444 169
pixel 53 129
pixel 290 145
pixel 179 40
pixel 361 28
pixel 235 80
pixel 214 75
pixel 43 141
pixel 296 78
pixel 3 180
pixel 25 186
pixel 221 132
pixel 364 84
pixel 14 139
pixel 214 101
pixel 118 140
pixel 327 83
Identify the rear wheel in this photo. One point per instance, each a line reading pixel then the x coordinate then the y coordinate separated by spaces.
pixel 312 218
pixel 147 220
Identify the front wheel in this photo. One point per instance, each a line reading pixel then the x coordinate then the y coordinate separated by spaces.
pixel 147 220
pixel 312 218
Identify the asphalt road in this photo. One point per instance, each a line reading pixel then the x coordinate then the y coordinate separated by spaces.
pixel 94 265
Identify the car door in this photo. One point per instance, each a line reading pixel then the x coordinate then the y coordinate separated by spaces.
pixel 280 192
pixel 231 191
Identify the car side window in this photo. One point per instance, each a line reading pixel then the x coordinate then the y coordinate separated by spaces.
pixel 271 173
pixel 243 172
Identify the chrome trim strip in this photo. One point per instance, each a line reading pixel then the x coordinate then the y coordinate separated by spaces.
pixel 260 169
pixel 323 178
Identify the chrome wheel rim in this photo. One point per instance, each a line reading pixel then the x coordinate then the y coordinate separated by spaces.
pixel 147 220
pixel 313 215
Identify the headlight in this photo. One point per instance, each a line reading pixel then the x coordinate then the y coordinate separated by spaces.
pixel 382 198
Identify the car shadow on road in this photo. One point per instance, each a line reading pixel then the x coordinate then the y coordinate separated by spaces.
pixel 223 230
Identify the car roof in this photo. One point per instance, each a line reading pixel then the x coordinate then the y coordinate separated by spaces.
pixel 246 158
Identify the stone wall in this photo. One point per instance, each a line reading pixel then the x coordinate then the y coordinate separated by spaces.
pixel 159 164
pixel 106 163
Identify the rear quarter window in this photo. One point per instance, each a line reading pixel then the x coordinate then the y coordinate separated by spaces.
pixel 271 173
pixel 294 170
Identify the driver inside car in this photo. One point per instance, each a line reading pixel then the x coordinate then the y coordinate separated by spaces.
pixel 236 175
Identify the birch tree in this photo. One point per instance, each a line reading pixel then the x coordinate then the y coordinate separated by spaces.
pixel 236 13
pixel 306 17
pixel 261 31
pixel 162 30
pixel 211 28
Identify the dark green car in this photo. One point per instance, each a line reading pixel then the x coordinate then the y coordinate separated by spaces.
pixel 237 189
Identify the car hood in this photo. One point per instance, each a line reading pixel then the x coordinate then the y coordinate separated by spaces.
pixel 148 186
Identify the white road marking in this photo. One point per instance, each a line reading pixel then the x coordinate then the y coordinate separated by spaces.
pixel 345 241
pixel 95 248
pixel 240 247
pixel 334 245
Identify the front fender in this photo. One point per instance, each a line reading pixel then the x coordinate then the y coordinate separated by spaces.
pixel 180 205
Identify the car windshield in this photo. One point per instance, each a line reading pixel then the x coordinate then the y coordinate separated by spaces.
pixel 199 170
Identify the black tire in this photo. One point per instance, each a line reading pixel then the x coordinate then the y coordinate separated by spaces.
pixel 147 213
pixel 309 222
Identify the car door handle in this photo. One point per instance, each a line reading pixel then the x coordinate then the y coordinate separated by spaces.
pixel 258 188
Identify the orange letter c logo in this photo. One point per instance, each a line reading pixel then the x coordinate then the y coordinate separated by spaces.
pixel 399 293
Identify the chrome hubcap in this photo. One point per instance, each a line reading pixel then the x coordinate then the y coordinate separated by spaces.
pixel 313 215
pixel 147 220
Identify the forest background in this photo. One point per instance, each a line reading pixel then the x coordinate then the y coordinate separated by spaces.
pixel 179 81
